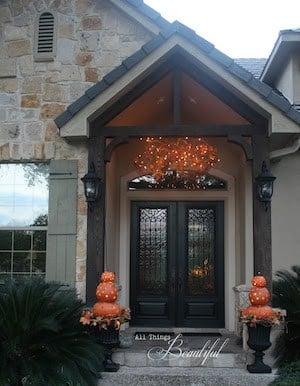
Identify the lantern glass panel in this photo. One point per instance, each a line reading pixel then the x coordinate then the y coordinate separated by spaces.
pixel 90 189
pixel 266 189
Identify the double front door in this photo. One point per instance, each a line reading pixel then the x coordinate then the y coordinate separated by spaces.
pixel 177 263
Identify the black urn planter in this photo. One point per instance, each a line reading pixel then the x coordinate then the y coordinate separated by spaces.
pixel 109 338
pixel 259 341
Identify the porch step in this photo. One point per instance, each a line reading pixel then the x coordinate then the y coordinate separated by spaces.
pixel 208 350
pixel 178 376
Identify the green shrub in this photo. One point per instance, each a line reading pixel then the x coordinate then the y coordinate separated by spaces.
pixel 41 339
pixel 286 295
pixel 289 375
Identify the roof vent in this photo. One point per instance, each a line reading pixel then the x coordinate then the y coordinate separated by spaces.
pixel 46 32
pixel 45 42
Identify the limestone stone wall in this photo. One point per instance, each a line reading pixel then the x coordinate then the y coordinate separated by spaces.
pixel 93 37
pixel 241 301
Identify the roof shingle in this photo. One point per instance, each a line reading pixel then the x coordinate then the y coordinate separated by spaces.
pixel 253 65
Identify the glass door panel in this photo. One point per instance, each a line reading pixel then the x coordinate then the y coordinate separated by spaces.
pixel 201 251
pixel 152 261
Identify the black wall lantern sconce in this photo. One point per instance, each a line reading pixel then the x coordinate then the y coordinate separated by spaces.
pixel 264 186
pixel 92 185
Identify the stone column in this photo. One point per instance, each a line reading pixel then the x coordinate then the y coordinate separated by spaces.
pixel 241 301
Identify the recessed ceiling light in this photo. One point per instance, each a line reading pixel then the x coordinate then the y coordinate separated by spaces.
pixel 192 100
pixel 160 100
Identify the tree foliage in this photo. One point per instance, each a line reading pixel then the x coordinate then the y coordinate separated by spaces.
pixel 286 295
pixel 35 173
pixel 41 220
pixel 41 339
pixel 289 375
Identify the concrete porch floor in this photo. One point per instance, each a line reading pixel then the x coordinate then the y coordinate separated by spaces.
pixel 187 376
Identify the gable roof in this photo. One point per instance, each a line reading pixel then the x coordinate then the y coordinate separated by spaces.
pixel 167 30
pixel 253 65
pixel 288 41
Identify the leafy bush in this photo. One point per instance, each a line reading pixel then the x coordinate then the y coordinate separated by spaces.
pixel 286 295
pixel 41 339
pixel 289 375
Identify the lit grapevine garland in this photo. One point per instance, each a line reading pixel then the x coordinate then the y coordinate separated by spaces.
pixel 185 158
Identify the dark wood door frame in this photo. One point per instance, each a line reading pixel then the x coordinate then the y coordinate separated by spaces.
pixel 262 243
pixel 252 138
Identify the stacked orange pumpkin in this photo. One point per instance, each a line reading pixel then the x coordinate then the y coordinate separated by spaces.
pixel 107 294
pixel 259 296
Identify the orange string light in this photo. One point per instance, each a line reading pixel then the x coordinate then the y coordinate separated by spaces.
pixel 182 157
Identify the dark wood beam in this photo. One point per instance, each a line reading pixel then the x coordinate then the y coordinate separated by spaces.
pixel 179 130
pixel 176 97
pixel 178 63
pixel 242 142
pixel 95 223
pixel 262 239
pixel 117 141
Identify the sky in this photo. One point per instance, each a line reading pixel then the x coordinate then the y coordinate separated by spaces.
pixel 20 204
pixel 240 29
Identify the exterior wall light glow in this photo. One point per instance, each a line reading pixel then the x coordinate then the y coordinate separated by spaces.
pixel 92 185
pixel 264 186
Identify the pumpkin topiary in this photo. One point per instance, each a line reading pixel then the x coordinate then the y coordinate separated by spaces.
pixel 248 311
pixel 264 312
pixel 107 292
pixel 259 281
pixel 106 313
pixel 107 276
pixel 259 296
pixel 106 309
pixel 258 312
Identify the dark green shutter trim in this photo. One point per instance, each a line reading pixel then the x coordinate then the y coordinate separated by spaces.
pixel 62 228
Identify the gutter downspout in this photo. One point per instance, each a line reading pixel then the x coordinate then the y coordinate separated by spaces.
pixel 286 150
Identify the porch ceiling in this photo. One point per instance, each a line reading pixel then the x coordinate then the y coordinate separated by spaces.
pixel 197 106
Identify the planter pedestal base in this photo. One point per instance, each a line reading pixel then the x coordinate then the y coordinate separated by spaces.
pixel 109 338
pixel 259 366
pixel 259 341
pixel 109 365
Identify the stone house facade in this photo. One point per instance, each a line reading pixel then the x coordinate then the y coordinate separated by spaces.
pixel 80 82
pixel 92 37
